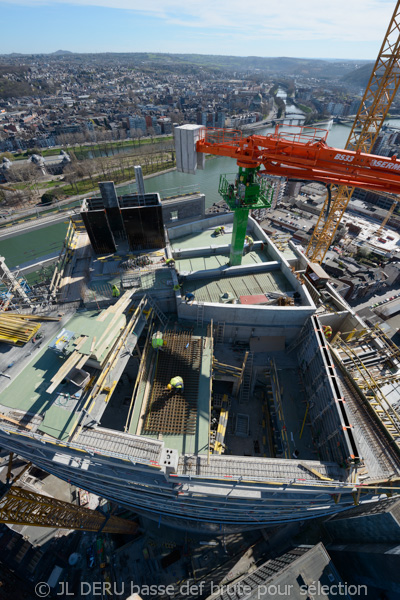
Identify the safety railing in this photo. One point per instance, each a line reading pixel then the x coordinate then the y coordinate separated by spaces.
pixel 303 134
pixel 214 135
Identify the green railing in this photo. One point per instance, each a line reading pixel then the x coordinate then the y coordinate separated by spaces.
pixel 250 195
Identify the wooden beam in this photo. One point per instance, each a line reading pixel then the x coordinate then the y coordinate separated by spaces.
pixel 14 421
pixel 64 370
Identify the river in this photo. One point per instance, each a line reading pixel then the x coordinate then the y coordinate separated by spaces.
pixel 293 115
pixel 25 247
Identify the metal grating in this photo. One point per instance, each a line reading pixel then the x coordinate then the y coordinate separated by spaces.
pixel 170 412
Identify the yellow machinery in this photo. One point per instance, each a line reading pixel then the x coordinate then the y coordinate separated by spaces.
pixel 19 506
pixel 378 97
pixel 386 219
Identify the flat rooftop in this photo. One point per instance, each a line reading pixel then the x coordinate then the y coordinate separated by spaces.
pixel 220 260
pixel 202 239
pixel 388 241
pixel 27 391
pixel 206 238
pixel 212 290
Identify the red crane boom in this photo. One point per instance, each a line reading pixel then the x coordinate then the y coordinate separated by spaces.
pixel 304 155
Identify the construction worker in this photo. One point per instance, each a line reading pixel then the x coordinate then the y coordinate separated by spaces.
pixel 176 384
pixel 327 329
pixel 189 298
pixel 115 291
pixel 157 341
pixel 219 230
pixel 249 243
pixel 170 262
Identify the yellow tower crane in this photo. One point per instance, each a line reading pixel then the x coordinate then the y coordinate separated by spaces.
pixel 386 219
pixel 19 506
pixel 378 97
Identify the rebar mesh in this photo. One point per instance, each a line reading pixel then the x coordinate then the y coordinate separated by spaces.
pixel 172 412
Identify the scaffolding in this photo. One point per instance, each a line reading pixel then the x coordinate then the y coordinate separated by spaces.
pixel 366 364
pixel 23 507
pixel 19 506
pixel 15 289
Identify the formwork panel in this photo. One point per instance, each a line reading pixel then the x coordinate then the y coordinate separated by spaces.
pixel 144 227
pixel 99 231
pixel 115 220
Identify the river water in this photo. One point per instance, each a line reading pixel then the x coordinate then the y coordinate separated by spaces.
pixel 293 115
pixel 23 248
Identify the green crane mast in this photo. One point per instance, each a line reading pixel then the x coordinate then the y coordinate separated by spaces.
pixel 243 192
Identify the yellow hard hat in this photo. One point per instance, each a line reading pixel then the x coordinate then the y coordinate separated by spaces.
pixel 169 386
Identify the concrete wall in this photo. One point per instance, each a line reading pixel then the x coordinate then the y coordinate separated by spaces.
pixel 187 160
pixel 249 320
pixel 188 208
pixel 196 226
pixel 241 322
pixel 109 194
pixel 222 272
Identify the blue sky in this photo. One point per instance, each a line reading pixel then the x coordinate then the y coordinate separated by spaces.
pixel 310 28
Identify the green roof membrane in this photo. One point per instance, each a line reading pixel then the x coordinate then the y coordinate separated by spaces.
pixel 28 390
pixel 215 261
pixel 207 290
pixel 201 239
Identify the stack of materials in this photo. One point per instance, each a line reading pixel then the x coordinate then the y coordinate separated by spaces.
pixel 17 329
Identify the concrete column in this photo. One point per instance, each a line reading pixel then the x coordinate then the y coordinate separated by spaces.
pixel 109 194
pixel 139 180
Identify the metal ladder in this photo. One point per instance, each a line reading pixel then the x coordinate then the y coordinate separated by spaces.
pixel 246 383
pixel 304 332
pixel 162 317
pixel 200 314
pixel 219 336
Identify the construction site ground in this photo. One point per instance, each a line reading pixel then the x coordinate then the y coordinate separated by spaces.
pixel 258 416
pixel 92 277
pixel 202 239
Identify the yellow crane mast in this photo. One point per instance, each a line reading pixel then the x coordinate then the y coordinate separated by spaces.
pixel 386 219
pixel 378 97
pixel 20 506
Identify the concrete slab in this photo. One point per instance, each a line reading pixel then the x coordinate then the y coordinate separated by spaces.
pixel 246 285
pixel 202 239
pixel 216 261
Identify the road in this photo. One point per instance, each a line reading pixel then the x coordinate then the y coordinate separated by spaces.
pixel 386 293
